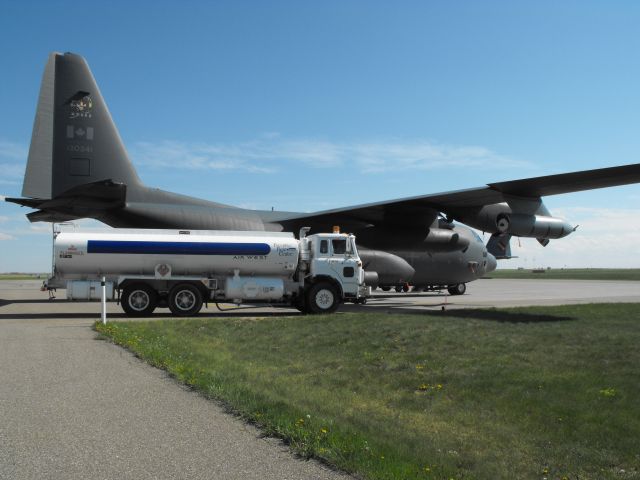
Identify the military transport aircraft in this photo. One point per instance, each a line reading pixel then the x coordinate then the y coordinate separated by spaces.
pixel 78 168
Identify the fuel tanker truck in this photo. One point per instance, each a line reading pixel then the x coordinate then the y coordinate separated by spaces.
pixel 145 269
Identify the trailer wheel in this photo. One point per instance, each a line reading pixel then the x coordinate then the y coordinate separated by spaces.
pixel 322 298
pixel 139 300
pixel 457 289
pixel 184 300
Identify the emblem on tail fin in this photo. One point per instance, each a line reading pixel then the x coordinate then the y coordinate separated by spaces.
pixel 80 105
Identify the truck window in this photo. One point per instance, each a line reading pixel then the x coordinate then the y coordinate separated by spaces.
pixel 339 246
pixel 324 246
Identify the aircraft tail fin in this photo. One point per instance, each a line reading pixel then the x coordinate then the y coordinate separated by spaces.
pixel 499 245
pixel 74 140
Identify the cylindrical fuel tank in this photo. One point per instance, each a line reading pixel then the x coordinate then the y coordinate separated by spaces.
pixel 253 288
pixel 139 252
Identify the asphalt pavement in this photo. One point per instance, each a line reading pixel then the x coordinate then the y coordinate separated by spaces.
pixel 73 407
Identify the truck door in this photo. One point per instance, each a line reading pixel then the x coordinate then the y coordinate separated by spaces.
pixel 343 264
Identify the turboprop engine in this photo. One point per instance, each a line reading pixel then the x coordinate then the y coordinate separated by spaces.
pixel 520 218
pixel 537 226
pixel 432 239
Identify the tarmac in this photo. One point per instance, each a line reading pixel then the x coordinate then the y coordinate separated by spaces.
pixel 74 407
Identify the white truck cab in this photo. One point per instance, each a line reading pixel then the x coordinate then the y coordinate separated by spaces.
pixel 334 264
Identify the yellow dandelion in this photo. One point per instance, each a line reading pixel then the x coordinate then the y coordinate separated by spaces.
pixel 608 392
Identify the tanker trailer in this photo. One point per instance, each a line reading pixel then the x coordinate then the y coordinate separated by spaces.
pixel 183 269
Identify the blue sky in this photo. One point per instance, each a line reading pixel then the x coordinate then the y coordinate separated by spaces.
pixel 313 105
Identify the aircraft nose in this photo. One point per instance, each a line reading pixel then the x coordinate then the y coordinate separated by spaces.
pixel 492 263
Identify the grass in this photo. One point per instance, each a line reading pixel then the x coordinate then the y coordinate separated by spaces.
pixel 571 274
pixel 515 393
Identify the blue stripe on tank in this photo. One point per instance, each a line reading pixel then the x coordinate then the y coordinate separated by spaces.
pixel 176 248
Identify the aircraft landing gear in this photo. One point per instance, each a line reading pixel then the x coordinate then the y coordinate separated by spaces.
pixel 457 289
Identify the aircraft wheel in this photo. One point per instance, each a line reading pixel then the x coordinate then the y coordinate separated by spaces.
pixel 457 289
pixel 322 298
pixel 139 300
pixel 385 289
pixel 185 299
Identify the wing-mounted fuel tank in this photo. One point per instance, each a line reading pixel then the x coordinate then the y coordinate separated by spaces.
pixel 518 217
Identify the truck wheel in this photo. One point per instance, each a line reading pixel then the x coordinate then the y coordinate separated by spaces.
pixel 184 300
pixel 457 289
pixel 139 300
pixel 322 298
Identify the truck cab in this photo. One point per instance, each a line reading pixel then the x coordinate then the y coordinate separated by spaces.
pixel 334 269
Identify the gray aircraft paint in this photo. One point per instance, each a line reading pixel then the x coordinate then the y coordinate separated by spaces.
pixel 38 177
pixel 78 167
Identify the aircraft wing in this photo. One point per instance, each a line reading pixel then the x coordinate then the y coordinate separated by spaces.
pixel 420 209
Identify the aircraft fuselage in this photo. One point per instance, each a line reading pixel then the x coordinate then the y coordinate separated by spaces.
pixel 430 264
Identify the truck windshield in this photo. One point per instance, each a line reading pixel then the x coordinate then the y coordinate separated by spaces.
pixel 339 246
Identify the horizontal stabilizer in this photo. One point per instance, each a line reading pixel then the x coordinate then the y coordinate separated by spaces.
pixel 46 216
pixel 86 200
